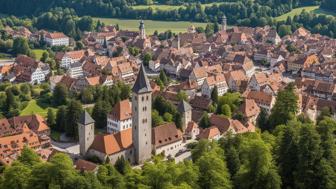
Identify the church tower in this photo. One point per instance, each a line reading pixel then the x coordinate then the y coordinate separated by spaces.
pixel 186 111
pixel 178 41
pixel 224 23
pixel 142 30
pixel 85 132
pixel 142 117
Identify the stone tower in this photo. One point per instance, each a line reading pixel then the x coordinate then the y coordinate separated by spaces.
pixel 142 117
pixel 224 23
pixel 142 30
pixel 185 109
pixel 178 41
pixel 85 132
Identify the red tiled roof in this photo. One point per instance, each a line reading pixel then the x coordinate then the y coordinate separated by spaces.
pixel 165 134
pixel 113 143
pixel 121 111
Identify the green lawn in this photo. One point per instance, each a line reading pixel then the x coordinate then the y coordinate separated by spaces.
pixel 38 53
pixel 34 108
pixel 297 11
pixel 151 25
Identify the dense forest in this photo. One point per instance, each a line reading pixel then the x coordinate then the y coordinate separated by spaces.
pixel 287 151
pixel 69 14
pixel 122 8
pixel 329 5
pixel 296 155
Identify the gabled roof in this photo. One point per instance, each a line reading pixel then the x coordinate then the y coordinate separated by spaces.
pixel 113 143
pixel 142 84
pixel 184 106
pixel 121 111
pixel 84 165
pixel 165 134
pixel 209 133
pixel 249 108
pixel 85 118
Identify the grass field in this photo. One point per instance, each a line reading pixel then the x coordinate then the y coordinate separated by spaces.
pixel 157 7
pixel 168 7
pixel 297 11
pixel 151 25
pixel 38 53
pixel 34 108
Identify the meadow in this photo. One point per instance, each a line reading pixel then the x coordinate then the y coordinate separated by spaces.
pixel 38 53
pixel 169 7
pixel 297 11
pixel 151 25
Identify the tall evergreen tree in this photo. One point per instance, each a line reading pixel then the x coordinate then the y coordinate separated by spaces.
pixel 51 120
pixel 326 128
pixel 287 155
pixel 74 110
pixel 60 94
pixel 258 170
pixel 214 95
pixel 285 107
pixel 205 121
pixel 163 77
pixel 61 119
pixel 99 114
pixel 309 159
pixel 213 172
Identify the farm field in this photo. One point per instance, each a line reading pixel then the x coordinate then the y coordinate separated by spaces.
pixel 151 25
pixel 297 11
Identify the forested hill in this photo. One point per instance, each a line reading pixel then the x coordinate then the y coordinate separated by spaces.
pixel 329 5
pixel 251 13
pixel 119 8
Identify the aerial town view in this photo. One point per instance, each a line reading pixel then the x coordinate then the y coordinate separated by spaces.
pixel 166 94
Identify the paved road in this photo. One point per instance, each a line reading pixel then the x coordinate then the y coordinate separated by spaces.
pixel 67 147
pixel 185 156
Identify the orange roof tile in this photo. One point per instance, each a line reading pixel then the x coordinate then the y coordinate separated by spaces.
pixel 113 143
pixel 121 111
pixel 209 133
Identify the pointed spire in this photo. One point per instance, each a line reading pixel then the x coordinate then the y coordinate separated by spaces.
pixel 142 29
pixel 184 106
pixel 85 118
pixel 142 84
pixel 178 41
pixel 224 23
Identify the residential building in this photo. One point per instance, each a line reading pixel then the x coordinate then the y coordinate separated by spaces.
pixel 167 140
pixel 199 75
pixel 262 99
pixel 211 133
pixel 68 58
pixel 250 111
pixel 17 132
pixel 56 39
pixel 212 81
pixel 75 70
pixel 299 62
pixel 120 118
pixel 236 80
